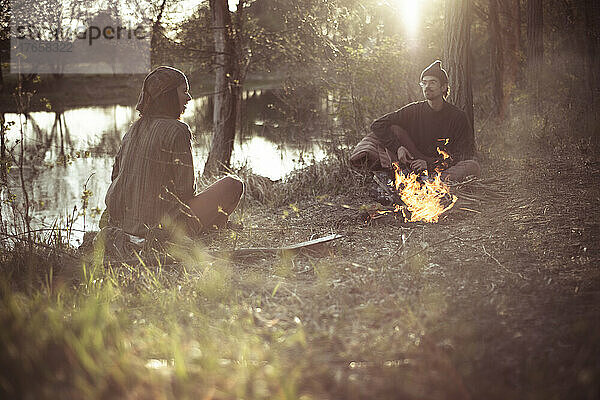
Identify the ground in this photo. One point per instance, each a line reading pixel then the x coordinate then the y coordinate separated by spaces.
pixel 498 301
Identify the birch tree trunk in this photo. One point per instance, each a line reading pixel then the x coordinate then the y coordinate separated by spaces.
pixel 457 54
pixel 224 113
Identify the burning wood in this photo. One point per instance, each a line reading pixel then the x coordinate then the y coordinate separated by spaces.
pixel 416 197
pixel 426 199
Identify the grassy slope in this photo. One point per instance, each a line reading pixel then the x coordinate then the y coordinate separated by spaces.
pixel 499 303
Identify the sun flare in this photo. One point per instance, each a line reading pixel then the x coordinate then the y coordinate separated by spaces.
pixel 409 11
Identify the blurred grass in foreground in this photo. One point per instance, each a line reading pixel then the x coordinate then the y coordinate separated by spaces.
pixel 206 328
pixel 105 335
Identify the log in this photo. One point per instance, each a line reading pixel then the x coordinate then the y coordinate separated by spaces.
pixel 394 196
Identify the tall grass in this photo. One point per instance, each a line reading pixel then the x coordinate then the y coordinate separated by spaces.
pixel 179 333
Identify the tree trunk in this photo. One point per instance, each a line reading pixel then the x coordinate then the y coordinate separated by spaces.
pixel 512 34
pixel 496 60
pixel 592 48
pixel 1 75
pixel 517 18
pixel 457 52
pixel 535 49
pixel 3 156
pixel 154 39
pixel 224 113
pixel 240 67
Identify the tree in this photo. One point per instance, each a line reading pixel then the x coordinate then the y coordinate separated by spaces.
pixel 156 31
pixel 592 48
pixel 535 48
pixel 4 38
pixel 496 60
pixel 457 53
pixel 511 9
pixel 227 88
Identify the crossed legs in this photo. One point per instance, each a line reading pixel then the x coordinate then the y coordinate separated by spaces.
pixel 213 205
pixel 456 173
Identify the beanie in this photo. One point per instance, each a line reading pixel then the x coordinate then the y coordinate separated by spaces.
pixel 157 82
pixel 435 69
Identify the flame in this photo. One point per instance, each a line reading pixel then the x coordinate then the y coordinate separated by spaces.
pixel 443 153
pixel 425 200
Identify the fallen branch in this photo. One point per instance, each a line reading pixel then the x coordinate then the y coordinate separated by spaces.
pixel 468 209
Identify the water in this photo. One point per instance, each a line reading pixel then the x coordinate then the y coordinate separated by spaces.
pixel 88 138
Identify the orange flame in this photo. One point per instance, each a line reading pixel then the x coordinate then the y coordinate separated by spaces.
pixel 443 153
pixel 423 200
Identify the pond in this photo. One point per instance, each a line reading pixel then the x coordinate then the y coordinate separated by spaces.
pixel 73 151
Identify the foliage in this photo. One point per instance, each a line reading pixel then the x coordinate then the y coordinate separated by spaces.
pixel 370 82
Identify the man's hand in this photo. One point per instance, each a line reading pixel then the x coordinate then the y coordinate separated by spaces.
pixel 404 155
pixel 418 165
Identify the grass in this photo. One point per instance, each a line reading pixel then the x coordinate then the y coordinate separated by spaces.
pixel 108 334
pixel 206 328
pixel 331 176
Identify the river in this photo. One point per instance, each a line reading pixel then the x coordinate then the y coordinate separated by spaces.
pixel 72 151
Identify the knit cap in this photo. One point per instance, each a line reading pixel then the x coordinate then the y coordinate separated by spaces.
pixel 159 81
pixel 436 70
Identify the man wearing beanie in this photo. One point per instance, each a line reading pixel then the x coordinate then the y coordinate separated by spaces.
pixel 413 134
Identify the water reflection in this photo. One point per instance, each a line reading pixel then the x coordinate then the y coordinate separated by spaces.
pixel 68 148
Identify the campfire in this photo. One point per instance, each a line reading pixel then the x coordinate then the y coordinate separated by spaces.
pixel 416 197
pixel 424 198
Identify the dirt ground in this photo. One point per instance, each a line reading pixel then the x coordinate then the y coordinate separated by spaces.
pixel 500 301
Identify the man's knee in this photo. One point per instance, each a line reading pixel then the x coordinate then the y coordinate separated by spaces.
pixel 235 186
pixel 472 168
pixel 461 170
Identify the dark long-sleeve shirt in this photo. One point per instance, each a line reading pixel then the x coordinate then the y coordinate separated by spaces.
pixel 428 128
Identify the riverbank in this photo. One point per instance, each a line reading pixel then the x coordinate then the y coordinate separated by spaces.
pixel 74 91
pixel 498 300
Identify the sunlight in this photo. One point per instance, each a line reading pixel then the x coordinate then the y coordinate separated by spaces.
pixel 233 5
pixel 185 8
pixel 410 14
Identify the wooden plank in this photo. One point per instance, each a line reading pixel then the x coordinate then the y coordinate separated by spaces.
pixel 307 246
